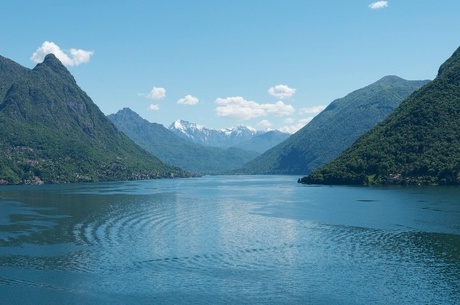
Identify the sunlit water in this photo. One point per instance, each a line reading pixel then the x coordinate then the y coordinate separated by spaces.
pixel 229 240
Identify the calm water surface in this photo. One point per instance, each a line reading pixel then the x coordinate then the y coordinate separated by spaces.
pixel 229 240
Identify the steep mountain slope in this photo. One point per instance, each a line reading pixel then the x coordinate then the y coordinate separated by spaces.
pixel 175 150
pixel 419 143
pixel 334 129
pixel 52 132
pixel 223 138
pixel 9 73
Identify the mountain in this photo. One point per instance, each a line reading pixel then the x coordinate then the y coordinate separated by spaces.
pixel 334 129
pixel 264 141
pixel 52 132
pixel 419 143
pixel 223 138
pixel 175 150
pixel 9 73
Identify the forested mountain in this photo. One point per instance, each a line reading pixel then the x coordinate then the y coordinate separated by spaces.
pixel 172 149
pixel 9 73
pixel 334 129
pixel 419 143
pixel 52 132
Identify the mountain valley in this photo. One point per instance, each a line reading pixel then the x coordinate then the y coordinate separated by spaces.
pixel 180 151
pixel 334 129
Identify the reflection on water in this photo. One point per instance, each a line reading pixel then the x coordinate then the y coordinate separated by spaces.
pixel 229 240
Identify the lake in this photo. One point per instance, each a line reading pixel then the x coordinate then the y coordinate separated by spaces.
pixel 229 240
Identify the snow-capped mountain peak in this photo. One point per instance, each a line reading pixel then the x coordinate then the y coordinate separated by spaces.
pixel 240 130
pixel 185 125
pixel 226 137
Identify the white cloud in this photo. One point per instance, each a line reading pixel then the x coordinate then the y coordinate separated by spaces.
pixel 75 58
pixel 265 124
pixel 296 127
pixel 154 107
pixel 188 100
pixel 312 110
pixel 281 91
pixel 240 109
pixel 279 108
pixel 288 120
pixel 378 5
pixel 156 93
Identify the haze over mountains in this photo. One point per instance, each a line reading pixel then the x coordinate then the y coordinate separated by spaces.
pixel 181 151
pixel 334 129
pixel 419 143
pixel 52 132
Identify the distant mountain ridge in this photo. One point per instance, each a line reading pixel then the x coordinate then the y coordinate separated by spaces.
pixel 175 150
pixel 264 141
pixel 52 132
pixel 334 129
pixel 419 143
pixel 223 138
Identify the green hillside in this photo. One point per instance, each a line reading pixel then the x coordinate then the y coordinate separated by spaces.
pixel 9 73
pixel 419 143
pixel 174 150
pixel 334 129
pixel 51 132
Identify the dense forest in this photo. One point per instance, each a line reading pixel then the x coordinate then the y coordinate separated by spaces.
pixel 419 143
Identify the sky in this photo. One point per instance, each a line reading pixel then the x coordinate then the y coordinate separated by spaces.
pixel 267 64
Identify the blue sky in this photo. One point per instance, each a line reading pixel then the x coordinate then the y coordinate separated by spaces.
pixel 266 64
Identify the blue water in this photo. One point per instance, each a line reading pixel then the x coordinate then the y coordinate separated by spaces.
pixel 229 240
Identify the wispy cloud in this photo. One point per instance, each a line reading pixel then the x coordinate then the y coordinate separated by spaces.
pixel 265 124
pixel 73 57
pixel 188 100
pixel 293 128
pixel 312 110
pixel 378 5
pixel 281 91
pixel 279 108
pixel 240 109
pixel 154 107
